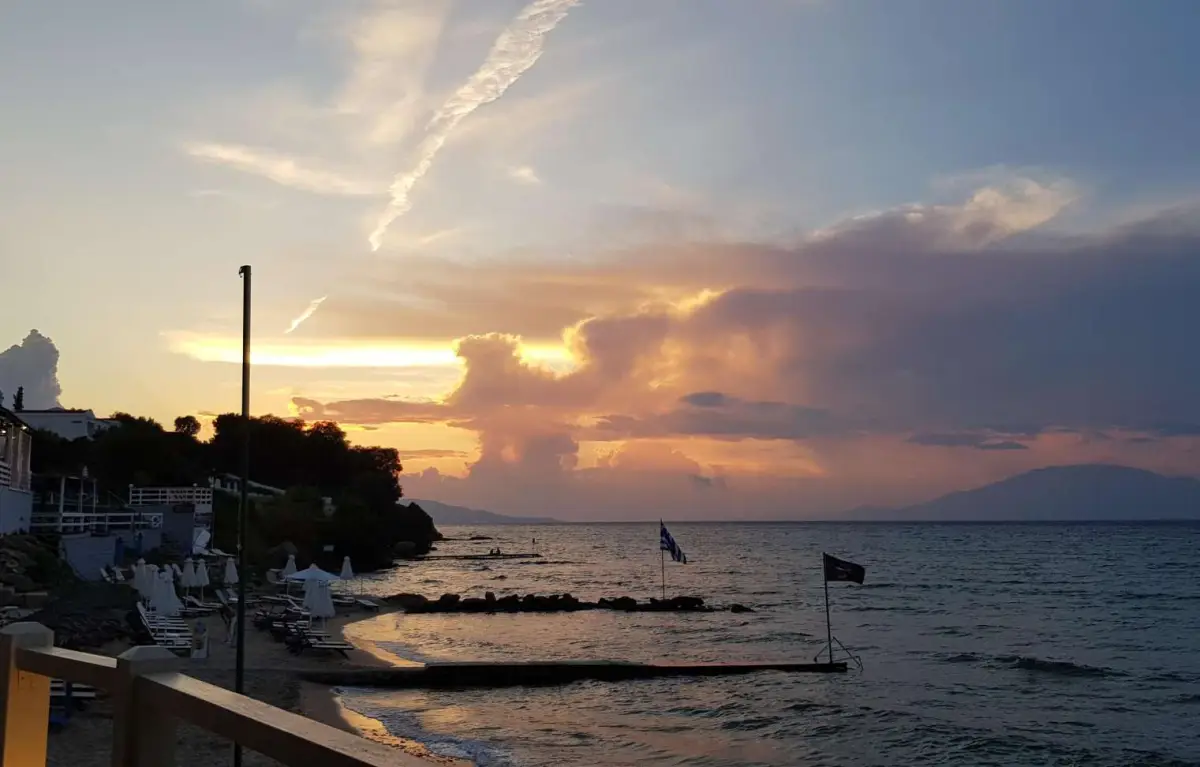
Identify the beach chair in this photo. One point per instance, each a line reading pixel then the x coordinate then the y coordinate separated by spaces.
pixel 73 693
pixel 367 604
pixel 196 604
pixel 300 642
pixel 104 575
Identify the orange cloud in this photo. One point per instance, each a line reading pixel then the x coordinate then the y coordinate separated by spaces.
pixel 882 360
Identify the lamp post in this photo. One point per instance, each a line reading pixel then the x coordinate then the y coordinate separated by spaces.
pixel 239 678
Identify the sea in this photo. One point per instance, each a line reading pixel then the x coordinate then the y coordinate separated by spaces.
pixel 980 644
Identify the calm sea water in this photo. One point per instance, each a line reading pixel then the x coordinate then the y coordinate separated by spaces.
pixel 982 645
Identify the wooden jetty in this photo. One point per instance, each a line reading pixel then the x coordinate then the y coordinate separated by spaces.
pixel 545 673
pixel 481 556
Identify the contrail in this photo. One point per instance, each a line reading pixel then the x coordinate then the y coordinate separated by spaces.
pixel 516 50
pixel 304 315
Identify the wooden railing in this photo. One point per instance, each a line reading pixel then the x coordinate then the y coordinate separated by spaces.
pixel 150 698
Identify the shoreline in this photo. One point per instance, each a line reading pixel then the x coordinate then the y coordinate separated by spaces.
pixel 324 704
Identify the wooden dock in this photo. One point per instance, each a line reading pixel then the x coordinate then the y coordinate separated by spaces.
pixel 545 673
pixel 481 556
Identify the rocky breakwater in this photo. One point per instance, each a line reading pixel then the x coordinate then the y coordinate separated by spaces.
pixel 45 590
pixel 29 570
pixel 90 616
pixel 549 603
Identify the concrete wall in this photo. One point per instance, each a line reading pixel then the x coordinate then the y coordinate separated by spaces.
pixel 16 506
pixel 149 539
pixel 87 553
pixel 178 522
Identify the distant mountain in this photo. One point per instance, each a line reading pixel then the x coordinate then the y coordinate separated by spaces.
pixel 445 514
pixel 1086 492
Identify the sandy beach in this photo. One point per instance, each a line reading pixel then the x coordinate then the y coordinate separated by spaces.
pixel 271 677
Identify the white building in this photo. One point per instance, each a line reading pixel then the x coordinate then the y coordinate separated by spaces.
pixel 66 423
pixel 16 500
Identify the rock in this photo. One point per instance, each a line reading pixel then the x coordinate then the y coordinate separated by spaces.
pixel 688 603
pixel 35 600
pixel 740 609
pixel 474 605
pixel 628 604
pixel 19 581
pixel 489 597
pixel 405 549
pixel 481 538
pixel 408 601
pixel 8 596
pixel 448 601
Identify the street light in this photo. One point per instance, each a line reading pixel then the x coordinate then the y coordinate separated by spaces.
pixel 239 677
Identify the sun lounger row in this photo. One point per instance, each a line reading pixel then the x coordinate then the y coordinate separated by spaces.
pixel 171 633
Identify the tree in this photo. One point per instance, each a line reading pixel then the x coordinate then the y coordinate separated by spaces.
pixel 188 425
pixel 19 399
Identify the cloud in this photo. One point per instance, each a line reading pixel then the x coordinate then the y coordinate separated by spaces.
pixel 309 311
pixel 958 326
pixel 523 174
pixel 427 453
pixel 32 364
pixel 284 170
pixel 515 51
pixel 966 439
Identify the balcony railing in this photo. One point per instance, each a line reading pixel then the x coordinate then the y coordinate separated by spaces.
pixel 86 522
pixel 5 474
pixel 150 699
pixel 169 496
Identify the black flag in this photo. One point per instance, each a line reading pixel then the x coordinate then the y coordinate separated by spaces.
pixel 842 570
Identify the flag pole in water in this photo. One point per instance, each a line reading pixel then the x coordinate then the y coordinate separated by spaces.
pixel 667 543
pixel 834 569
pixel 662 560
pixel 828 621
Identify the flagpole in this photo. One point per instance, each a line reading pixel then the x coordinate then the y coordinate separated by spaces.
pixel 828 622
pixel 662 557
pixel 662 560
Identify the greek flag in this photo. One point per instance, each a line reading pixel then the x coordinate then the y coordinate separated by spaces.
pixel 668 544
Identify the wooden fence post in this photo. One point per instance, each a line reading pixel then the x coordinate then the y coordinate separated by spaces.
pixel 142 736
pixel 25 715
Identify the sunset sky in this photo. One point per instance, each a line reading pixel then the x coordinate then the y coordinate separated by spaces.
pixel 621 258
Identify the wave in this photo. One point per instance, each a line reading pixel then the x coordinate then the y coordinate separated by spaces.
pixel 405 725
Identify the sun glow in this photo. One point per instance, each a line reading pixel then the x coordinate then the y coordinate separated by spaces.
pixel 351 353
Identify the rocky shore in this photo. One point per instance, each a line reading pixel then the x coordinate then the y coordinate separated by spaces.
pixel 549 603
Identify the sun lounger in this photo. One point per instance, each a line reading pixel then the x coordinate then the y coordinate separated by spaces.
pixel 299 643
pixel 368 604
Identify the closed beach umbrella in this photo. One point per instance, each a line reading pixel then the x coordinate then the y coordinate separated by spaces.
pixel 164 601
pixel 201 575
pixel 178 572
pixel 347 571
pixel 290 567
pixel 231 573
pixel 149 582
pixel 174 606
pixel 188 578
pixel 318 600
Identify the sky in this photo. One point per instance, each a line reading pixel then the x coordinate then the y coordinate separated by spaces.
pixel 619 259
